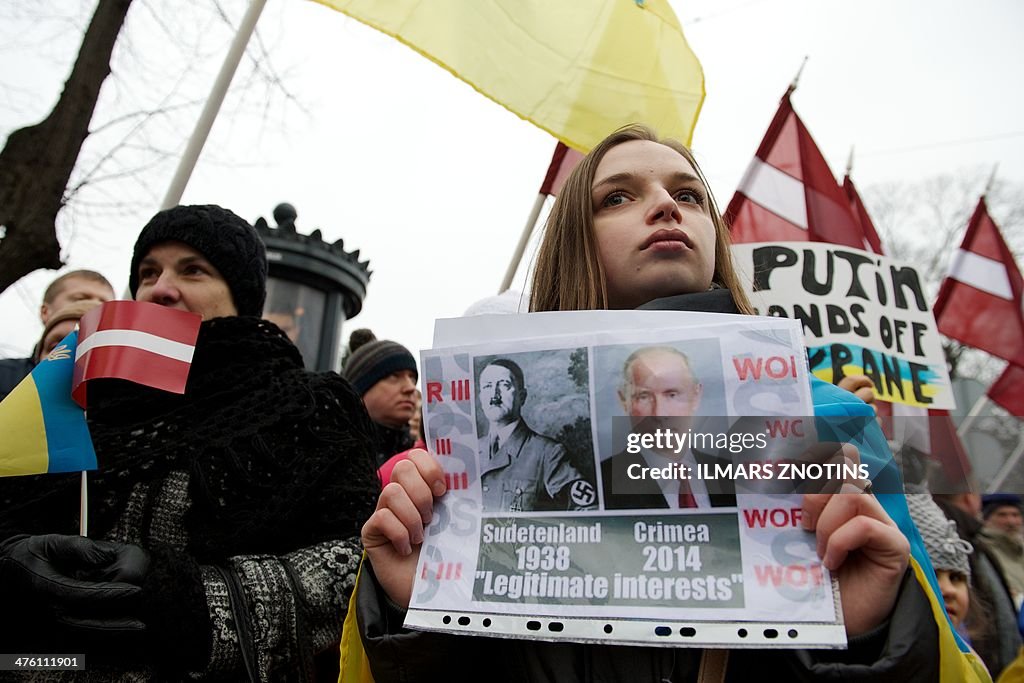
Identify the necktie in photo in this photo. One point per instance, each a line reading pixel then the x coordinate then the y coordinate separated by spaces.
pixel 494 446
pixel 686 499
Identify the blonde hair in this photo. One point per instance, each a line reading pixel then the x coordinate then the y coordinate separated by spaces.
pixel 568 275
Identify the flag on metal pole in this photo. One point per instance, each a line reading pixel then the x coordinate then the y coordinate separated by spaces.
pixel 578 70
pixel 979 302
pixel 562 162
pixel 788 193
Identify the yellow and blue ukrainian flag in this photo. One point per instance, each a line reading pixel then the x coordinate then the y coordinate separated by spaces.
pixel 957 662
pixel 44 430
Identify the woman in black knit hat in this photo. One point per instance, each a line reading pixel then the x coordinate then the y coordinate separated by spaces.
pixel 224 521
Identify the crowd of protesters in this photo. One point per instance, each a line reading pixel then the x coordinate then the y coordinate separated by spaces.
pixel 228 523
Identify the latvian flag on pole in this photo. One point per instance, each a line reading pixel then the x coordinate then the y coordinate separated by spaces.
pixel 135 341
pixel 979 302
pixel 562 162
pixel 788 193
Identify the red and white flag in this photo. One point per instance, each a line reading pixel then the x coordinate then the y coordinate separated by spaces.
pixel 1008 390
pixel 979 302
pixel 562 162
pixel 788 193
pixel 136 341
pixel 929 431
pixel 872 242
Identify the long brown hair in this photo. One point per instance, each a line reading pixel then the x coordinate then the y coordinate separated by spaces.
pixel 568 275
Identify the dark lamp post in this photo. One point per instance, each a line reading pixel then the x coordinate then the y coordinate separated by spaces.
pixel 312 289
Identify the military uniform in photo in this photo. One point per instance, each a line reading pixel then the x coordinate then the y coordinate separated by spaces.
pixel 530 471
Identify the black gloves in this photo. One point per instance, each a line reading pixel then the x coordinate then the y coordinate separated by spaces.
pixel 89 591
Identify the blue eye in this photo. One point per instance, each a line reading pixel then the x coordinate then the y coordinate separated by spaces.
pixel 614 199
pixel 690 196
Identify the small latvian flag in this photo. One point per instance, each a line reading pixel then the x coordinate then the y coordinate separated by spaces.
pixel 139 342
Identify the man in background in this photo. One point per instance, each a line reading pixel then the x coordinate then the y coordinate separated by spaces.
pixel 72 287
pixel 384 373
pixel 659 390
pixel 1002 535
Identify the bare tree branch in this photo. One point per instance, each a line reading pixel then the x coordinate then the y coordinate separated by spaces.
pixel 37 161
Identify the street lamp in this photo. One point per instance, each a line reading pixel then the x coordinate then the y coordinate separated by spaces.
pixel 312 289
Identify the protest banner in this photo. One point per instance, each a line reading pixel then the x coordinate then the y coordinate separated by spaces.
pixel 862 313
pixel 565 515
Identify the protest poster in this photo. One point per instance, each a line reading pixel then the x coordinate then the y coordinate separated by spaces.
pixel 541 533
pixel 862 313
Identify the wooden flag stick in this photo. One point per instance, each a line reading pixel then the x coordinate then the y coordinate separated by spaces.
pixel 83 509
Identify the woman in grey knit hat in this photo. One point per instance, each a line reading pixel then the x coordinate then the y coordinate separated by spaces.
pixel 947 551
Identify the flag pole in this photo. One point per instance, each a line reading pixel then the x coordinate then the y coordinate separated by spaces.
pixel 849 162
pixel 212 106
pixel 796 79
pixel 972 415
pixel 1004 471
pixel 991 180
pixel 524 239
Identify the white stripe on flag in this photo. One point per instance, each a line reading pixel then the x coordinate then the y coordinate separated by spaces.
pixel 982 273
pixel 139 340
pixel 911 426
pixel 776 191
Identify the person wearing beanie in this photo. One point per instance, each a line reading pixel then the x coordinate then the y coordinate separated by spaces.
pixel 228 244
pixel 384 373
pixel 1002 535
pixel 995 638
pixel 947 551
pixel 223 523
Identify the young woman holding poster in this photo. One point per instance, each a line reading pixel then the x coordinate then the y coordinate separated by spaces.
pixel 635 226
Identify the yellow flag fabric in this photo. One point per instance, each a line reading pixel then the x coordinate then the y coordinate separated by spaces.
pixel 955 665
pixel 24 448
pixel 355 668
pixel 578 69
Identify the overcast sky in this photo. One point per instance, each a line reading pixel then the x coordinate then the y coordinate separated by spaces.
pixel 433 182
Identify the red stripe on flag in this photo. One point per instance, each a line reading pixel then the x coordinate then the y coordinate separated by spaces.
pixel 789 148
pixel 978 318
pixel 754 223
pixel 169 323
pixel 1007 390
pixel 860 212
pixel 883 409
pixel 563 161
pixel 132 364
pixel 947 447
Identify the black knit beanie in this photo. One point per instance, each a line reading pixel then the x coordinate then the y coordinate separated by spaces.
pixel 990 502
pixel 374 360
pixel 227 241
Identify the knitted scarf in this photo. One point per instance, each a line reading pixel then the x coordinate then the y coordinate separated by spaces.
pixel 266 444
